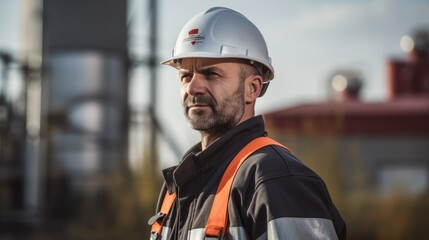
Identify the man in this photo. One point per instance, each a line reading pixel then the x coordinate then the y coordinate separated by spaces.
pixel 224 67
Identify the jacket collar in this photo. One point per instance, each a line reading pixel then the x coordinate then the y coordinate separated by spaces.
pixel 197 162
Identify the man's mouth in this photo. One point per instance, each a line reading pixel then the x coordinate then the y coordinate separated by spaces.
pixel 201 103
pixel 196 106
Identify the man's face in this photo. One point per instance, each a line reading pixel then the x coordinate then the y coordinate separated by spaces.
pixel 212 93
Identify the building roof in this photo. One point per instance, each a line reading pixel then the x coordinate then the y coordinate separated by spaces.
pixel 399 116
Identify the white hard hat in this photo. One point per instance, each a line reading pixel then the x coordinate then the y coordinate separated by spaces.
pixel 221 33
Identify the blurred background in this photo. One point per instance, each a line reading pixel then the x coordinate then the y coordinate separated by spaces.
pixel 88 117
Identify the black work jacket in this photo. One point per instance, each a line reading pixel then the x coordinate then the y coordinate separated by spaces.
pixel 274 195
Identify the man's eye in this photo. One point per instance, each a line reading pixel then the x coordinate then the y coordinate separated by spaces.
pixel 210 74
pixel 185 76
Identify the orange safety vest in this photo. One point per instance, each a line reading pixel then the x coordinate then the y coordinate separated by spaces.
pixel 218 218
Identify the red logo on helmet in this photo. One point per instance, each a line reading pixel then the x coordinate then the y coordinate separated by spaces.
pixel 193 31
pixel 194 37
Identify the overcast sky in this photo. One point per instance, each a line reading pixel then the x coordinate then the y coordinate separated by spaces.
pixel 307 40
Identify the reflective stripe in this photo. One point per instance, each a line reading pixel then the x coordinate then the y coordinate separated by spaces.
pixel 166 231
pixel 282 228
pixel 235 233
pixel 197 234
pixel 301 228
pixel 165 234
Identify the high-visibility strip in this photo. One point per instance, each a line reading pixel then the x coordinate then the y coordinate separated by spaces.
pixel 301 228
pixel 163 213
pixel 218 218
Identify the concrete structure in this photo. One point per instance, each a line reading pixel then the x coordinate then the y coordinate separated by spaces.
pixel 71 133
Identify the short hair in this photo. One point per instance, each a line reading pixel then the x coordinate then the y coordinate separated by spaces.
pixel 247 69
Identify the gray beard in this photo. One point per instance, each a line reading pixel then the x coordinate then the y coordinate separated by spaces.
pixel 222 117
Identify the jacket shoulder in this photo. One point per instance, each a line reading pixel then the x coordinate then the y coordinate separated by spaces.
pixel 274 161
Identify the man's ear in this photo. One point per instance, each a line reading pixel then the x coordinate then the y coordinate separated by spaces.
pixel 253 87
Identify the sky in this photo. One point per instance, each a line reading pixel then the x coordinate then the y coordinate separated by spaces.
pixel 308 40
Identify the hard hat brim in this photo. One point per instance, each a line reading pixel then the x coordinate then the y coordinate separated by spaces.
pixel 175 61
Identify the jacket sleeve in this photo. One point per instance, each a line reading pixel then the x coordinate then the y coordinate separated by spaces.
pixel 293 207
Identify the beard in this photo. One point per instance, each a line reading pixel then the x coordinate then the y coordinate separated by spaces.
pixel 220 116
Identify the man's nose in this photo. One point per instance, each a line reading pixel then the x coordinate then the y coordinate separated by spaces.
pixel 197 85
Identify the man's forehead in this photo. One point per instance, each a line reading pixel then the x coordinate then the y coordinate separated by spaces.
pixel 198 63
